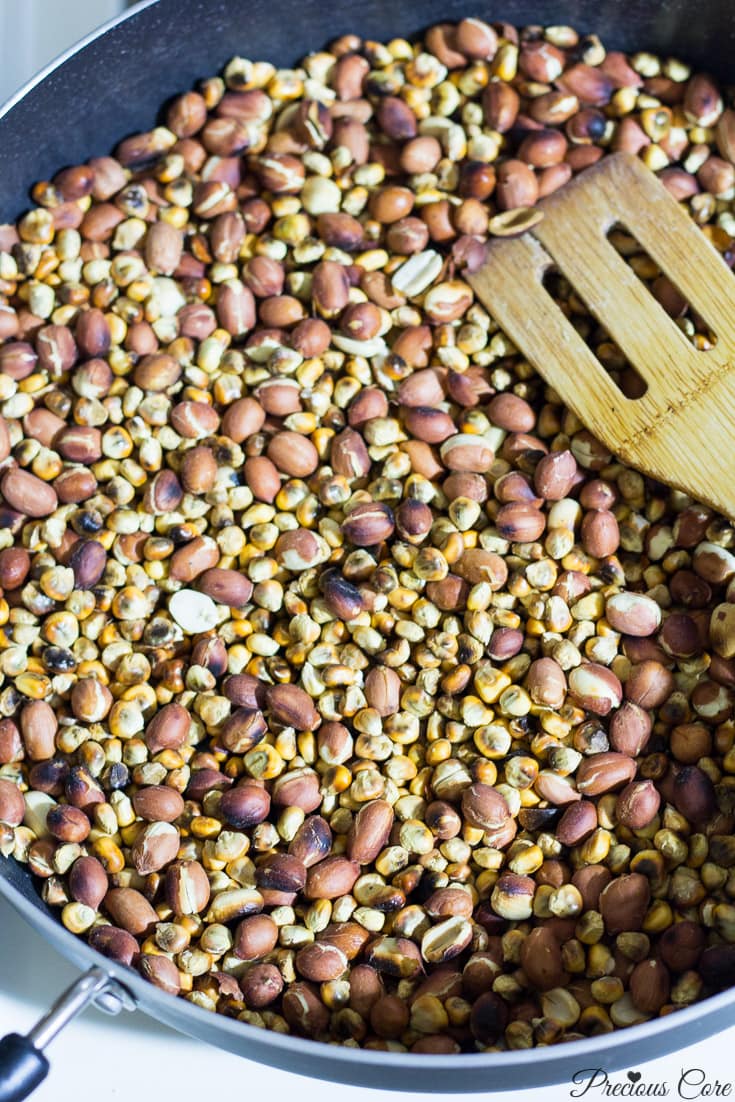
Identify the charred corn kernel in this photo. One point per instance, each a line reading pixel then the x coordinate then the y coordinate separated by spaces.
pixel 521 771
pixel 264 762
pixel 143 696
pixel 573 956
pixel 490 684
pixel 698 851
pixel 526 859
pixel 504 65
pixel 129 833
pixel 590 928
pixel 566 901
pixel 61 629
pixel 77 917
pixel 109 854
pixel 596 848
pixel 600 961
pixel 594 1021
pixel 125 720
pixel 607 990
pixel 635 946
pixel 560 1007
pixel 650 863
pixel 34 686
pixel 202 826
pixel 658 917
pixel 493 740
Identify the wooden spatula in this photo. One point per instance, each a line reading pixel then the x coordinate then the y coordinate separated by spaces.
pixel 682 431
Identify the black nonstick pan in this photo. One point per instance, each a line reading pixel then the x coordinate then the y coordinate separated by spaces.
pixel 113 83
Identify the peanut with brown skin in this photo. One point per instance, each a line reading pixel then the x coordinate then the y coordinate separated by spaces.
pixel 12 805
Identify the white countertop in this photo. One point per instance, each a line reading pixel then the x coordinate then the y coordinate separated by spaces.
pixel 103 1059
pixel 32 32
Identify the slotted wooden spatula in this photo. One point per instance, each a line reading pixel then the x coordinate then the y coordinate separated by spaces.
pixel 682 431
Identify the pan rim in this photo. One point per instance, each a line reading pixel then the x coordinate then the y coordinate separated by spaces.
pixel 150 1000
pixel 71 52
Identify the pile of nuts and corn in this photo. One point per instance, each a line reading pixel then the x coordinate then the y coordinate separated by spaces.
pixel 349 686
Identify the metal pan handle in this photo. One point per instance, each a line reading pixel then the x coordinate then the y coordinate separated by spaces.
pixel 23 1064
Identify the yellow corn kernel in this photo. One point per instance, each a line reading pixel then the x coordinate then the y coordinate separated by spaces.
pixel 109 854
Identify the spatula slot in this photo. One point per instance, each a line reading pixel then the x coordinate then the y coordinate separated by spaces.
pixel 537 323
pixel 662 287
pixel 607 353
pixel 618 300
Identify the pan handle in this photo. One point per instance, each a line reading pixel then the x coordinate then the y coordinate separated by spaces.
pixel 23 1064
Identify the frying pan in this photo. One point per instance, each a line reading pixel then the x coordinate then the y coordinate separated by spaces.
pixel 113 83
